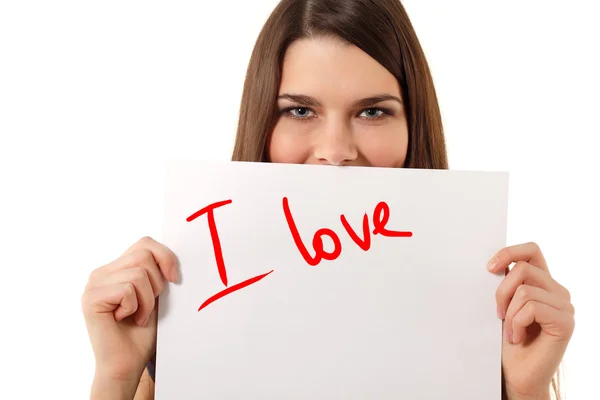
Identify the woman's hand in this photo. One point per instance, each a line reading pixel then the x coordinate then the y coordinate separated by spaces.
pixel 538 321
pixel 120 314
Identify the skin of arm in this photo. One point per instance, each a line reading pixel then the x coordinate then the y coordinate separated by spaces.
pixel 109 389
pixel 145 389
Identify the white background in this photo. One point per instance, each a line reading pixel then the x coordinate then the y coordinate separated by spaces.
pixel 94 96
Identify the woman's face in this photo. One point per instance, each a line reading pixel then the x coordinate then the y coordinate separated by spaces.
pixel 337 106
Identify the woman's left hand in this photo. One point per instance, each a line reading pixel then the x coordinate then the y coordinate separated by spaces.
pixel 538 321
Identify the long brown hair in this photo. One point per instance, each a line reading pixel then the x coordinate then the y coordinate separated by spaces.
pixel 383 30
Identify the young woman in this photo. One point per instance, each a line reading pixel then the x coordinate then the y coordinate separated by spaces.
pixel 332 82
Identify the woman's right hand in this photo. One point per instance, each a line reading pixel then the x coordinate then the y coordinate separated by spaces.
pixel 120 314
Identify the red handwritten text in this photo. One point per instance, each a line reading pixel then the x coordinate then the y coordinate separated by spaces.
pixel 365 243
pixel 232 289
pixel 214 235
pixel 381 216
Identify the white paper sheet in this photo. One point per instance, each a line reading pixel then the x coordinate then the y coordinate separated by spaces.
pixel 411 317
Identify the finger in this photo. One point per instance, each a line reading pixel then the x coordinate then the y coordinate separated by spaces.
pixel 106 299
pixel 139 278
pixel 525 294
pixel 137 259
pixel 528 252
pixel 146 251
pixel 165 258
pixel 556 323
pixel 522 273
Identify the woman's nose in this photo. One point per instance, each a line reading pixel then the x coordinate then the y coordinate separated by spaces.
pixel 335 144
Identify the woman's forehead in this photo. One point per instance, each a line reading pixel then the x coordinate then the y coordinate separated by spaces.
pixel 332 69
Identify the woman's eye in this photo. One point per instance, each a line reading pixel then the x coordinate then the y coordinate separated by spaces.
pixel 300 112
pixel 371 113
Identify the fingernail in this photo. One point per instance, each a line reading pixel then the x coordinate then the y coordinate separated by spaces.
pixel 508 336
pixel 492 264
pixel 174 275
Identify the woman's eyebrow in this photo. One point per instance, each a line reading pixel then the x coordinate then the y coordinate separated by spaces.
pixel 370 101
pixel 300 99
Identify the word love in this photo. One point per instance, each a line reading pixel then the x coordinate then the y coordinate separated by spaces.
pixel 381 216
